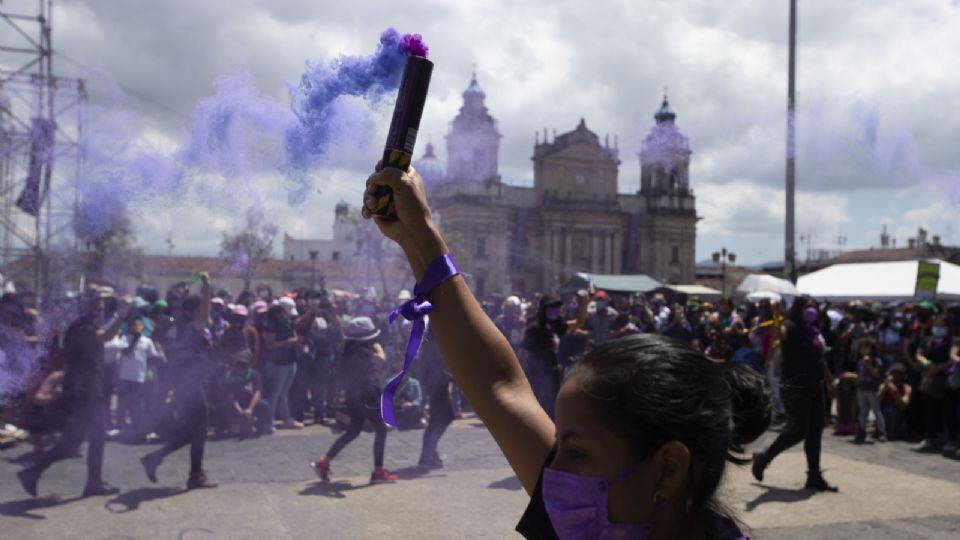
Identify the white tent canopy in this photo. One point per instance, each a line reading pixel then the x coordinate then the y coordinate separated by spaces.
pixel 765 283
pixel 877 281
pixel 696 290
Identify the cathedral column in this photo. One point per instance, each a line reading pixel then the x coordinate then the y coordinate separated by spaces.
pixel 617 253
pixel 608 253
pixel 595 262
pixel 567 248
pixel 554 255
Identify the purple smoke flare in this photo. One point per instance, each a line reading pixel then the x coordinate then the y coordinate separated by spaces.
pixel 413 45
pixel 324 102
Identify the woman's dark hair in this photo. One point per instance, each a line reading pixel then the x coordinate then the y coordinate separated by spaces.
pixel 870 343
pixel 796 309
pixel 352 346
pixel 652 390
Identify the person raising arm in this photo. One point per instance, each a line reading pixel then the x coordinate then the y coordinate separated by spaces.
pixel 644 424
pixel 481 361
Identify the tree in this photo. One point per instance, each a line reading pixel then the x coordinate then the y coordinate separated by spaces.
pixel 247 248
pixel 107 245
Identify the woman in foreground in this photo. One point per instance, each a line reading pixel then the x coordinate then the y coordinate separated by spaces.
pixel 644 426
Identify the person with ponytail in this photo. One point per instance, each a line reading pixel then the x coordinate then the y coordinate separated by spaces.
pixel 802 383
pixel 644 425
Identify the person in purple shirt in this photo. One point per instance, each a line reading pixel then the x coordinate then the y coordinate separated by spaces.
pixel 644 425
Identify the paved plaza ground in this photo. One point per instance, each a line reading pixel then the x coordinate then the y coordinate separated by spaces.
pixel 267 491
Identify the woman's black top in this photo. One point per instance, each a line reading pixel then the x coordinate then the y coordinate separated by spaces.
pixel 535 522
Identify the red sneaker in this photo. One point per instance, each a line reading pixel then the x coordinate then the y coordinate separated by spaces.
pixel 322 468
pixel 381 475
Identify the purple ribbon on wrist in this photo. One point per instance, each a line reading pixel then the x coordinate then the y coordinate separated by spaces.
pixel 415 310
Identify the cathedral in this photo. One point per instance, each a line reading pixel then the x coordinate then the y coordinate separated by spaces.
pixel 574 219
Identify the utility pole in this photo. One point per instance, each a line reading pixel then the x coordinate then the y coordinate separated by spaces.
pixel 789 261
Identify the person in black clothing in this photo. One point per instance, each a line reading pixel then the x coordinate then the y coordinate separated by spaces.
pixel 436 386
pixel 362 375
pixel 83 394
pixel 189 354
pixel 913 337
pixel 541 341
pixel 804 376
pixel 320 331
pixel 935 355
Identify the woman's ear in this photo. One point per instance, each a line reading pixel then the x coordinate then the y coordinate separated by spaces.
pixel 672 461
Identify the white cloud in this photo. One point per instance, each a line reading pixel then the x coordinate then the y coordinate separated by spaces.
pixel 876 95
pixel 742 208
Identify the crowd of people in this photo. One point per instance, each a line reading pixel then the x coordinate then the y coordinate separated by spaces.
pixel 898 361
pixel 178 367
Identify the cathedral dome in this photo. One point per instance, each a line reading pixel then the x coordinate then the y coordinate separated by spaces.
pixel 665 142
pixel 474 89
pixel 342 209
pixel 665 114
pixel 432 169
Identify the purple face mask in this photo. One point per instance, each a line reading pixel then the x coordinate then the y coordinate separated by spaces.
pixel 810 315
pixel 553 313
pixel 577 506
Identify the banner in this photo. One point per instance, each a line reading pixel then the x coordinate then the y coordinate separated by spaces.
pixel 928 277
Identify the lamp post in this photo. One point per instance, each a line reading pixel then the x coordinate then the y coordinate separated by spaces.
pixel 722 257
pixel 313 269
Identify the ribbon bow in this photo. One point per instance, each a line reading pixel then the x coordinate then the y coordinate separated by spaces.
pixel 416 311
pixel 413 310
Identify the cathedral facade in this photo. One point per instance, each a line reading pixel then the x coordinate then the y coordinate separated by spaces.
pixel 574 219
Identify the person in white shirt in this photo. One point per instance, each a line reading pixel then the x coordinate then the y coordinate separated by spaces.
pixel 135 350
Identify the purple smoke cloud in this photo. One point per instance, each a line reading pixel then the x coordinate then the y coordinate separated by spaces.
pixel 238 134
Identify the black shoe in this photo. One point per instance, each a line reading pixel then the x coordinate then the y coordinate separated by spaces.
pixel 150 463
pixel 860 438
pixel 816 482
pixel 199 480
pixel 28 479
pixel 435 463
pixel 99 489
pixel 759 464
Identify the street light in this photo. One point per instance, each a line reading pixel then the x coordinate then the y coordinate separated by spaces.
pixel 722 257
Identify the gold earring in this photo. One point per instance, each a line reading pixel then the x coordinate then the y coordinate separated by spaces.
pixel 656 496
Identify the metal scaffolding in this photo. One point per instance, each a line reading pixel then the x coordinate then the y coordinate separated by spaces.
pixel 41 155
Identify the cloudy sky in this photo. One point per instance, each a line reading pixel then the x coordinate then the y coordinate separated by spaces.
pixel 878 111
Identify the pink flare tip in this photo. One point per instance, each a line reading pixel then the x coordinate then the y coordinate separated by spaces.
pixel 413 45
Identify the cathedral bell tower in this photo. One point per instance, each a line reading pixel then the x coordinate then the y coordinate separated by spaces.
pixel 666 228
pixel 665 156
pixel 473 143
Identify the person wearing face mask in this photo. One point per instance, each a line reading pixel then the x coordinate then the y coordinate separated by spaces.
pixel 644 425
pixel 602 318
pixel 935 356
pixel 541 341
pixel 915 332
pixel 803 378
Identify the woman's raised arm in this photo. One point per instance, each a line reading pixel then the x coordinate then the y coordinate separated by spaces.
pixel 476 353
